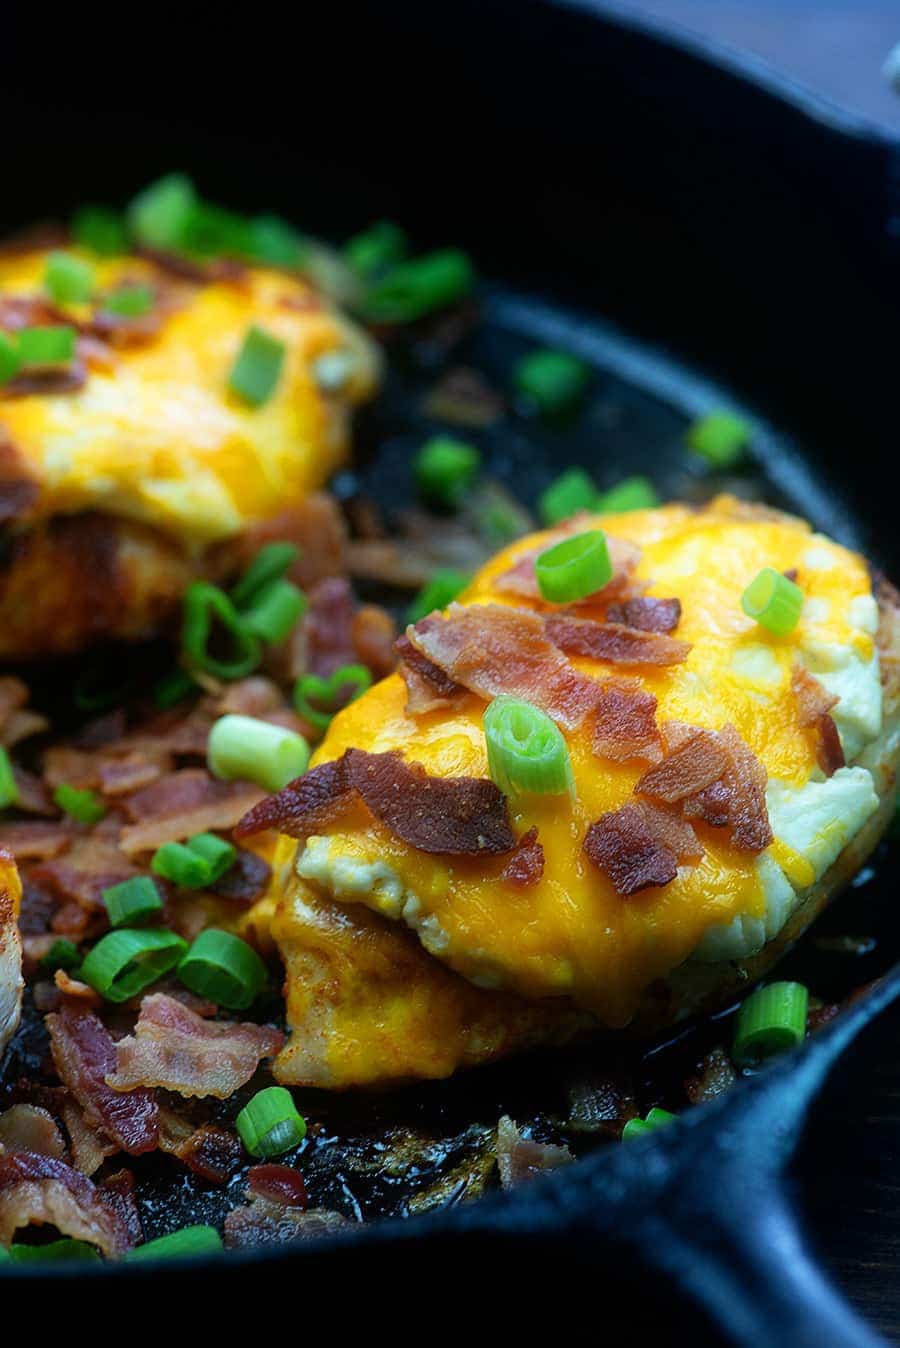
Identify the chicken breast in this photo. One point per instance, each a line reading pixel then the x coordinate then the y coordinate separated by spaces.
pixel 800 737
pixel 10 949
pixel 135 467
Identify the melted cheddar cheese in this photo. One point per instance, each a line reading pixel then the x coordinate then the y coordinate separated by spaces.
pixel 156 436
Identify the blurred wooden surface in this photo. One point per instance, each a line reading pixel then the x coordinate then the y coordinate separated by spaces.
pixel 836 47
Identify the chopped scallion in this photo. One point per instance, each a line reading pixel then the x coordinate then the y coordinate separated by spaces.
pixel 571 492
pixel 44 348
pixel 189 1242
pixel 575 568
pixel 130 301
pixel 54 1251
pixel 314 695
pixel 276 243
pixel 774 601
pixel 445 470
pixel 771 1020
pixel 553 381
pixel 159 216
pixel 194 864
pixel 410 290
pixel 256 751
pixel 124 962
pixel 270 563
pixel 634 493
pixel 132 902
pixel 381 245
pixel 9 790
pixel 526 750
pixel 275 611
pixel 85 806
pixel 9 358
pixel 206 605
pixel 67 279
pixel 224 968
pixel 257 367
pixel 101 230
pixel 63 954
pixel 720 437
pixel 269 1124
pixel 445 585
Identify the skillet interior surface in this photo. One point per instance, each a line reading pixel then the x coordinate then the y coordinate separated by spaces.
pixel 754 241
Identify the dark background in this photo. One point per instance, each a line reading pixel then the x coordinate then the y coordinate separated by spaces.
pixel 755 243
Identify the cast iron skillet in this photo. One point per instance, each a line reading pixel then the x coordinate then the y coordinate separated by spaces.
pixel 598 167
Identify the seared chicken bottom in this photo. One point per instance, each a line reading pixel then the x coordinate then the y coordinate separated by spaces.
pixel 725 781
pixel 133 467
pixel 10 949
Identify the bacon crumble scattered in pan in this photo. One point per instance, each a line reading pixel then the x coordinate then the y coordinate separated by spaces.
pixel 448 816
pixel 174 1048
pixel 40 1190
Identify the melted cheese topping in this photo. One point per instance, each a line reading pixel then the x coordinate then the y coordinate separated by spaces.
pixel 158 437
pixel 571 934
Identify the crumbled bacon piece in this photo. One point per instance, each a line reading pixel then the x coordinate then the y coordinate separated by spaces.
pixel 428 687
pixel 830 751
pixel 447 816
pixel 25 1127
pixel 327 628
pixel 278 1183
pixel 522 1158
pixel 176 1049
pixel 89 1146
pixel 625 724
pixel 715 1074
pixel 613 642
pixel 814 704
pixel 638 846
pixel 212 1152
pixel 36 838
pixel 526 864
pixel 737 799
pixel 85 1055
pixel 491 649
pixel 42 1191
pixel 92 864
pixel 186 802
pixel 694 763
pixel 246 880
pixel 276 1211
pixel 646 614
pixel 373 633
pixel 119 1193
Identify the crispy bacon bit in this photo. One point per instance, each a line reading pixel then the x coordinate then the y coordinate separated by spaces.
pixel 814 704
pixel 187 802
pixel 646 614
pixel 447 816
pixel 278 1183
pixel 328 627
pixel 813 699
pixel 491 649
pixel 88 1145
pixel 176 1049
pixel 33 795
pixel 30 1128
pixel 625 724
pixel 41 1191
pixel 526 865
pixel 373 633
pixel 715 1075
pixel 209 1151
pixel 36 838
pixel 736 800
pixel 638 846
pixel 613 642
pixel 90 866
pixel 624 555
pixel 121 776
pixel 521 1158
pixel 118 1192
pixel 694 763
pixel 85 1054
pixel 428 687
pixel 73 987
pixel 830 752
pixel 246 880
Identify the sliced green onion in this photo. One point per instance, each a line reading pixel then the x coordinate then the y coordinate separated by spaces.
pixel 720 437
pixel 85 806
pixel 773 601
pixel 255 751
pixel 63 954
pixel 5 1256
pixel 257 368
pixel 574 568
pixel 132 902
pixel 45 347
pixel 554 381
pixel 131 301
pixel 174 688
pixel 656 1117
pixel 771 1020
pixel 381 245
pixel 270 563
pixel 210 231
pixel 636 1128
pixel 224 968
pixel 101 230
pixel 9 358
pixel 183 1244
pixel 9 790
pixel 159 216
pixel 67 279
pixel 525 749
pixel 310 690
pixel 176 862
pixel 634 493
pixel 269 1124
pixel 410 290
pixel 219 854
pixel 55 1250
pixel 275 611
pixel 445 585
pixel 276 243
pixel 572 491
pixel 124 962
pixel 205 604
pixel 445 470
